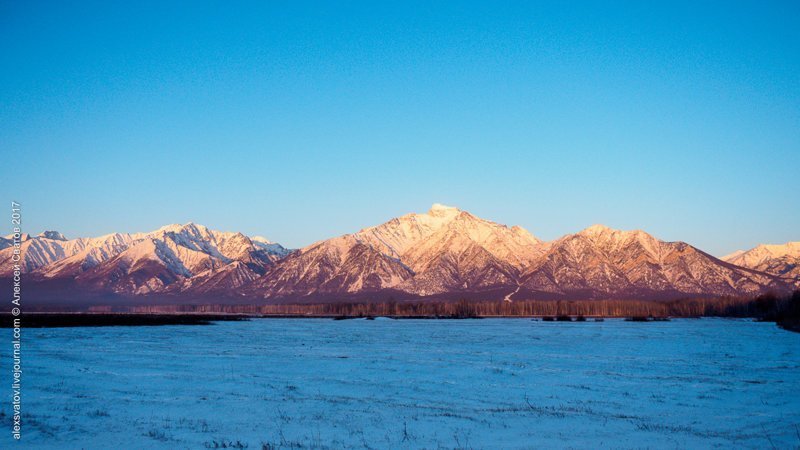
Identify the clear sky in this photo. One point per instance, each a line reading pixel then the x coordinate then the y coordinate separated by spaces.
pixel 302 121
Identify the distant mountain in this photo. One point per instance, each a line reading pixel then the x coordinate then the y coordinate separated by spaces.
pixel 342 265
pixel 782 260
pixel 54 235
pixel 43 251
pixel 445 250
pixel 169 259
pixel 601 262
pixel 442 253
pixel 165 260
pixel 450 250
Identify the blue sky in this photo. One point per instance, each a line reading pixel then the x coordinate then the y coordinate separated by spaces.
pixel 301 121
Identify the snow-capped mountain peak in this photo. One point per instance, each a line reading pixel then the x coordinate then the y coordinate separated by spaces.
pixel 261 240
pixel 447 228
pixel 605 262
pixel 173 227
pixel 613 233
pixel 764 252
pixel 597 229
pixel 189 229
pixel 148 262
pixel 444 251
pixel 778 259
pixel 54 235
pixel 443 211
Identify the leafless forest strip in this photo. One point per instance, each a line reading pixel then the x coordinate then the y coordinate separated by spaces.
pixel 767 307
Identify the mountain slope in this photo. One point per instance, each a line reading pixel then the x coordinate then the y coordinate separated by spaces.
pixel 600 262
pixel 88 253
pixel 415 238
pixel 450 250
pixel 442 253
pixel 164 260
pixel 444 250
pixel 168 259
pixel 41 251
pixel 342 265
pixel 782 260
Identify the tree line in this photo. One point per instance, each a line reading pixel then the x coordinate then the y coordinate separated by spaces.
pixel 770 307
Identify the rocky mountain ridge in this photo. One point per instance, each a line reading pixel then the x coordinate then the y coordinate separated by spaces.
pixel 445 252
pixel 782 260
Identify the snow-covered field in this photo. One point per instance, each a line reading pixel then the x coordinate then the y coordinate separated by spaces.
pixel 495 383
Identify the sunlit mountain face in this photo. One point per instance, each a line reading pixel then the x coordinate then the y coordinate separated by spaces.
pixel 442 253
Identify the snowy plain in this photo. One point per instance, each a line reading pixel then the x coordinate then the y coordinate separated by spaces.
pixel 492 383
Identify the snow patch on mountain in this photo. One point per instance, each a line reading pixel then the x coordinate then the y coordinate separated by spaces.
pixel 603 262
pixel 782 260
pixel 55 235
pixel 443 251
pixel 763 253
pixel 148 262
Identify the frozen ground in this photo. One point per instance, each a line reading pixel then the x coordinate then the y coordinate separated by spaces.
pixel 283 383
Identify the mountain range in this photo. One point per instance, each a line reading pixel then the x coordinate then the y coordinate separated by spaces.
pixel 443 253
pixel 782 260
